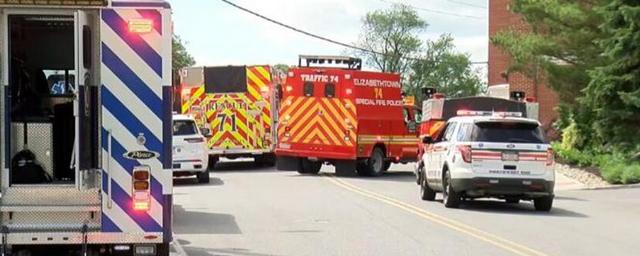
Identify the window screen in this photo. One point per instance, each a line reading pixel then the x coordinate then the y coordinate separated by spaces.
pixel 330 90
pixel 230 79
pixel 308 89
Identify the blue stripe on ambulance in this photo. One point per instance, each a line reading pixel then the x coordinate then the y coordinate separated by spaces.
pixel 132 81
pixel 131 122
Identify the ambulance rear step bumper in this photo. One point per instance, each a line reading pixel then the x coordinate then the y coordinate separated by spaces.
pixel 77 238
pixel 51 227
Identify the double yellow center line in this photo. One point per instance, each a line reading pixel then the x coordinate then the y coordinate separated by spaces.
pixel 500 242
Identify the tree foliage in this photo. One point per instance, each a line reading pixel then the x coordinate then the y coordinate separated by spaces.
pixel 558 42
pixel 613 94
pixel 589 53
pixel 441 67
pixel 394 33
pixel 181 57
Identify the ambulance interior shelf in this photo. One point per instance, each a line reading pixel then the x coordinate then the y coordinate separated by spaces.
pixel 42 94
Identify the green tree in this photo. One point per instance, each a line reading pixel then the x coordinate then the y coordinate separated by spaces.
pixel 441 67
pixel 613 95
pixel 181 57
pixel 394 34
pixel 557 42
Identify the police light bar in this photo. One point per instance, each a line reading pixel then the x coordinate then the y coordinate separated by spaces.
pixel 56 2
pixel 487 113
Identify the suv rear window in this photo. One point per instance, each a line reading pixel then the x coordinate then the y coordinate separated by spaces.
pixel 184 127
pixel 507 132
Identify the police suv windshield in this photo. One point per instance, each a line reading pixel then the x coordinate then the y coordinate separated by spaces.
pixel 184 127
pixel 507 132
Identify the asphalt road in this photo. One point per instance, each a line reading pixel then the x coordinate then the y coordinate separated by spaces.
pixel 259 211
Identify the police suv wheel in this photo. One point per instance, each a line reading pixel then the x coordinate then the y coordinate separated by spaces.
pixel 203 177
pixel 426 193
pixel 543 204
pixel 450 198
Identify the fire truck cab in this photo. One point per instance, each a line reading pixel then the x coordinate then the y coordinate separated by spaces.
pixel 353 119
pixel 85 127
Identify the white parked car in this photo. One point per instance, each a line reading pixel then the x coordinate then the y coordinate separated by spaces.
pixel 190 151
pixel 488 155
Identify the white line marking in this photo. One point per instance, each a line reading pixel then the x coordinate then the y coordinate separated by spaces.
pixel 176 245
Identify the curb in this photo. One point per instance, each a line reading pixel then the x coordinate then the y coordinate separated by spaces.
pixel 612 187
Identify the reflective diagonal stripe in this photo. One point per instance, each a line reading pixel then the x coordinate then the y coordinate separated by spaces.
pixel 143 92
pixel 317 121
pixel 135 41
pixel 133 124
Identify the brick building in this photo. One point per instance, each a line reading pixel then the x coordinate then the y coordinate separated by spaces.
pixel 500 18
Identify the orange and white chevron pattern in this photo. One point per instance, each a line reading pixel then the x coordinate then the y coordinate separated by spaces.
pixel 322 121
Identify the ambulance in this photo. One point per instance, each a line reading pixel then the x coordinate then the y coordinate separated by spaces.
pixel 86 127
pixel 235 106
pixel 333 112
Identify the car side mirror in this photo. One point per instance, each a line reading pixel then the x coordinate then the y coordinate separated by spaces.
pixel 427 140
pixel 206 132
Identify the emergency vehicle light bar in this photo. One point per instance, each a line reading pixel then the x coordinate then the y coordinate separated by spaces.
pixel 350 62
pixel 56 2
pixel 488 113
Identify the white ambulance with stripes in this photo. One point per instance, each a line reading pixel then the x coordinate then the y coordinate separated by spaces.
pixel 86 127
pixel 488 154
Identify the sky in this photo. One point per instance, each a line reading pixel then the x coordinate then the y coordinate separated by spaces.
pixel 219 34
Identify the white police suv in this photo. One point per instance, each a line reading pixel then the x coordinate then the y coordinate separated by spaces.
pixel 190 151
pixel 488 154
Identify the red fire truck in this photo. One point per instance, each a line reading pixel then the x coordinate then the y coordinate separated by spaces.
pixel 353 119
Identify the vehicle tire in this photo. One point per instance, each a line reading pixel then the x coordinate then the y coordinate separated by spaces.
pixel 203 177
pixel 310 167
pixel 376 163
pixel 543 204
pixel 362 169
pixel 213 160
pixel 164 249
pixel 450 198
pixel 512 200
pixel 387 165
pixel 426 193
pixel 345 168
pixel 286 163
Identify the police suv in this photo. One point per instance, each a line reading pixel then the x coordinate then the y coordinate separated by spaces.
pixel 488 154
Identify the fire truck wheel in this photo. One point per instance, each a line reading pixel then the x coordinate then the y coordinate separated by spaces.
pixel 376 163
pixel 203 177
pixel 387 165
pixel 213 160
pixel 310 167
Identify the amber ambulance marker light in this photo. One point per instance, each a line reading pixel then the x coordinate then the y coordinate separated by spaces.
pixel 140 26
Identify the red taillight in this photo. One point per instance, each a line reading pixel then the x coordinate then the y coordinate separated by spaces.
pixel 465 152
pixel 194 140
pixel 550 157
pixel 141 188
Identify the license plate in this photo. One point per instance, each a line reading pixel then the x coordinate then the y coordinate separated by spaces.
pixel 510 156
